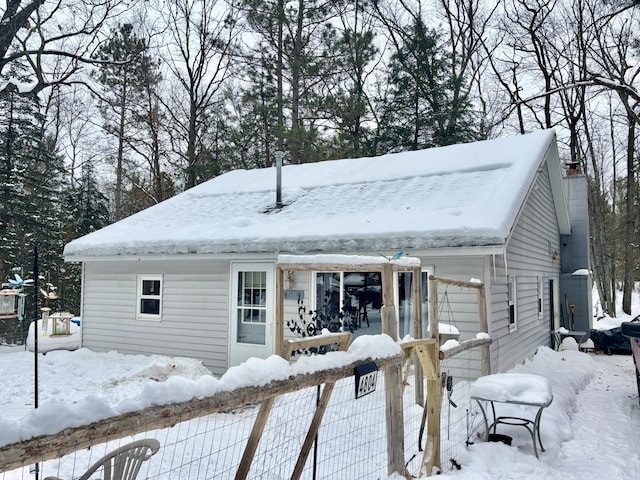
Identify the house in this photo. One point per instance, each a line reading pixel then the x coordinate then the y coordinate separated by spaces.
pixel 194 275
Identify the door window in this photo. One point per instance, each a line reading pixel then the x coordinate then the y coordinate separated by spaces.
pixel 251 307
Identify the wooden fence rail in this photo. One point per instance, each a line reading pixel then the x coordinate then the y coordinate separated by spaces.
pixel 48 447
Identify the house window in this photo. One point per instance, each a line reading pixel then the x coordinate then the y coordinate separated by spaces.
pixel 540 304
pixel 513 307
pixel 348 301
pixel 404 304
pixel 351 301
pixel 149 296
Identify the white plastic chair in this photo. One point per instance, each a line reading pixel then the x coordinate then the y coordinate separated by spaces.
pixel 124 462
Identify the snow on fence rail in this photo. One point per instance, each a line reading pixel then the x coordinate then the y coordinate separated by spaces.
pixel 206 437
pixel 209 437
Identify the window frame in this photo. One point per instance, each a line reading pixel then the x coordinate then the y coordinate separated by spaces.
pixel 425 270
pixel 512 302
pixel 261 307
pixel 540 299
pixel 140 296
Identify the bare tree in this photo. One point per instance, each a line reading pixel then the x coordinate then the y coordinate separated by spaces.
pixel 54 38
pixel 468 25
pixel 202 34
pixel 614 67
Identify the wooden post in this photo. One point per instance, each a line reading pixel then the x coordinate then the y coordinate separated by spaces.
pixel 254 438
pixel 431 456
pixel 392 380
pixel 484 327
pixel 418 334
pixel 433 308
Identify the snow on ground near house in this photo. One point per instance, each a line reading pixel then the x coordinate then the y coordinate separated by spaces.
pixel 77 388
pixel 602 321
pixel 591 429
pixel 599 426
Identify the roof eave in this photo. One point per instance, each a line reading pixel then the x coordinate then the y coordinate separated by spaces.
pixel 557 189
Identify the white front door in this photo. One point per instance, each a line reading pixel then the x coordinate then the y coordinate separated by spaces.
pixel 251 311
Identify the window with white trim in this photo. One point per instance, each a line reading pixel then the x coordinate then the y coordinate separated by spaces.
pixel 513 306
pixel 540 304
pixel 149 297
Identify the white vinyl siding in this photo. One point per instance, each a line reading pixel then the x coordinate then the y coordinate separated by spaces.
pixel 532 254
pixel 462 309
pixel 195 315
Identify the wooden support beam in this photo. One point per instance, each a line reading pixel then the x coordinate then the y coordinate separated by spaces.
pixel 345 267
pixel 254 438
pixel 433 307
pixel 463 347
pixel 317 416
pixel 392 380
pixel 342 339
pixel 484 327
pixel 420 349
pixel 456 283
pixel 431 456
pixel 416 295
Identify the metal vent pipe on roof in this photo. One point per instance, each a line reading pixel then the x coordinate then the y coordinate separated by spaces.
pixel 279 157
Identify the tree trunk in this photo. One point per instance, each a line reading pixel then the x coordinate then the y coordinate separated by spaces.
pixel 630 219
pixel 191 146
pixel 296 67
pixel 279 74
pixel 120 155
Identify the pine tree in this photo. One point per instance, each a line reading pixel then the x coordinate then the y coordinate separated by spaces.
pixel 87 210
pixel 121 77
pixel 88 207
pixel 419 110
pixel 149 117
pixel 298 40
pixel 348 102
pixel 30 175
pixel 30 186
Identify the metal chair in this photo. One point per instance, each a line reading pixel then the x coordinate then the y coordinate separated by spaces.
pixel 124 462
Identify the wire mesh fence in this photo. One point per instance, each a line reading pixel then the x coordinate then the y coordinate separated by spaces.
pixel 350 443
pixel 461 419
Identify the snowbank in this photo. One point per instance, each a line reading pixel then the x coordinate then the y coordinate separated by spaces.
pixel 157 385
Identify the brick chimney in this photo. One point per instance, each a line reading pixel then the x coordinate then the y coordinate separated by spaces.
pixel 573 168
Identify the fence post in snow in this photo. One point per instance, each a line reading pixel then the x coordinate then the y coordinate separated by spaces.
pixel 392 380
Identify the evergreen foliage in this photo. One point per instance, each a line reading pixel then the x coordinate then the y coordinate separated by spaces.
pixel 300 41
pixel 87 207
pixel 126 75
pixel 31 183
pixel 420 109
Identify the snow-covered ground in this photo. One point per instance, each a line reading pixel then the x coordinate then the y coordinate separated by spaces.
pixel 591 430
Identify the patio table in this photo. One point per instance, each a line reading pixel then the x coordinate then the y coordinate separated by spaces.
pixel 513 388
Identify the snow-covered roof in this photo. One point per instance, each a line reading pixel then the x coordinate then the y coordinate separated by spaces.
pixel 455 196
